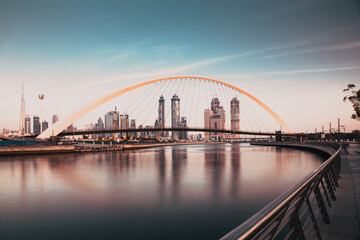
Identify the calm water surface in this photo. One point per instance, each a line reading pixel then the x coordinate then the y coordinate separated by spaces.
pixel 178 192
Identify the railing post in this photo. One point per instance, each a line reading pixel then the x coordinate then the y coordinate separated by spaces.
pixel 325 192
pixel 335 173
pixel 313 219
pixel 295 223
pixel 329 186
pixel 321 204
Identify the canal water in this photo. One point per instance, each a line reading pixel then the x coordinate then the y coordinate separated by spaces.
pixel 174 192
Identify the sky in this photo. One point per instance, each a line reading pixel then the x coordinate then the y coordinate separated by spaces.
pixel 295 56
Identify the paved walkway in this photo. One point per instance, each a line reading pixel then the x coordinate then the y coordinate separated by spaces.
pixel 345 214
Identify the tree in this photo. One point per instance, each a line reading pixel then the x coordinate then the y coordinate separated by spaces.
pixel 353 96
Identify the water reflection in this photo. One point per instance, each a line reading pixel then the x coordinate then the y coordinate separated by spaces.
pixel 215 166
pixel 199 191
pixel 235 172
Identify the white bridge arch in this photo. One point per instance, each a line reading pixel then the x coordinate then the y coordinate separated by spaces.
pixel 58 127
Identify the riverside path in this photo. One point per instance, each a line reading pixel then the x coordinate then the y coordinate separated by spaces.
pixel 345 213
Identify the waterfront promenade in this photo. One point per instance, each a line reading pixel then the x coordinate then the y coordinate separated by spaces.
pixel 82 148
pixel 345 214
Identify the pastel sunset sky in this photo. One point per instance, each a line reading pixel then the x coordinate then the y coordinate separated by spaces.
pixel 296 56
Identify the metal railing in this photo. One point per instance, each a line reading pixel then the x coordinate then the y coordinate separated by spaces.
pixel 303 211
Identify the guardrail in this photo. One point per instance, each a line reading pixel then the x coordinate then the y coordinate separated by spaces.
pixel 303 211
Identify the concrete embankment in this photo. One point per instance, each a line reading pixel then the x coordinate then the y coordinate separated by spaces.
pixel 323 150
pixel 82 148
pixel 36 150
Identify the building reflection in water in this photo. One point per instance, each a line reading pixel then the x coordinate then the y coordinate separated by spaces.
pixel 161 166
pixel 215 160
pixel 179 158
pixel 120 191
pixel 235 172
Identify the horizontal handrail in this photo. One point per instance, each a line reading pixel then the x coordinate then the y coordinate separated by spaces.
pixel 164 129
pixel 265 224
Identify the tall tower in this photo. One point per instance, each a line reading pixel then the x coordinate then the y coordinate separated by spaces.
pixel 55 119
pixel 207 114
pixel 36 125
pixel 22 112
pixel 175 115
pixel 111 118
pixel 216 108
pixel 235 114
pixel 27 124
pixel 161 111
pixel 161 115
pixel 215 105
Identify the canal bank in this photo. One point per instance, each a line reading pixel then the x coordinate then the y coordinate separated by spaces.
pixel 303 211
pixel 342 216
pixel 82 148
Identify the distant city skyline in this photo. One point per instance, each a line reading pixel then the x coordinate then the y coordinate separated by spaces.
pixel 297 57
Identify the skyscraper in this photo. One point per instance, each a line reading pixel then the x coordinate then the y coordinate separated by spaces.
pixel 183 134
pixel 112 121
pixel 161 111
pixel 27 124
pixel 175 115
pixel 216 108
pixel 55 118
pixel 214 119
pixel 44 125
pixel 22 112
pixel 235 114
pixel 207 114
pixel 124 123
pixel 100 125
pixel 161 115
pixel 133 126
pixel 36 125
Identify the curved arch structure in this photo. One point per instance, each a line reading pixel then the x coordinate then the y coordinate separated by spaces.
pixel 56 128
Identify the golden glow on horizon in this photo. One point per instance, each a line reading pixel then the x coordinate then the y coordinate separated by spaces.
pixel 56 128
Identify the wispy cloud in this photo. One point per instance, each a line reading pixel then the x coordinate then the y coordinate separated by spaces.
pixel 311 70
pixel 159 73
pixel 118 57
pixel 333 47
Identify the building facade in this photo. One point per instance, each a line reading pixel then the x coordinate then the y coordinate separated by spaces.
pixel 27 124
pixel 36 125
pixel 216 108
pixel 55 118
pixel 235 114
pixel 99 126
pixel 161 115
pixel 111 121
pixel 161 111
pixel 214 118
pixel 44 125
pixel 175 115
pixel 183 134
pixel 207 114
pixel 124 124
pixel 133 126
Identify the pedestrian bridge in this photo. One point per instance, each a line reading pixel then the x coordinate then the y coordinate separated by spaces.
pixel 196 95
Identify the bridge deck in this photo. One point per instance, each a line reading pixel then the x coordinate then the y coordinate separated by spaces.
pixel 345 214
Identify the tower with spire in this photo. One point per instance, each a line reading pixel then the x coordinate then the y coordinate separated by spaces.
pixel 22 112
